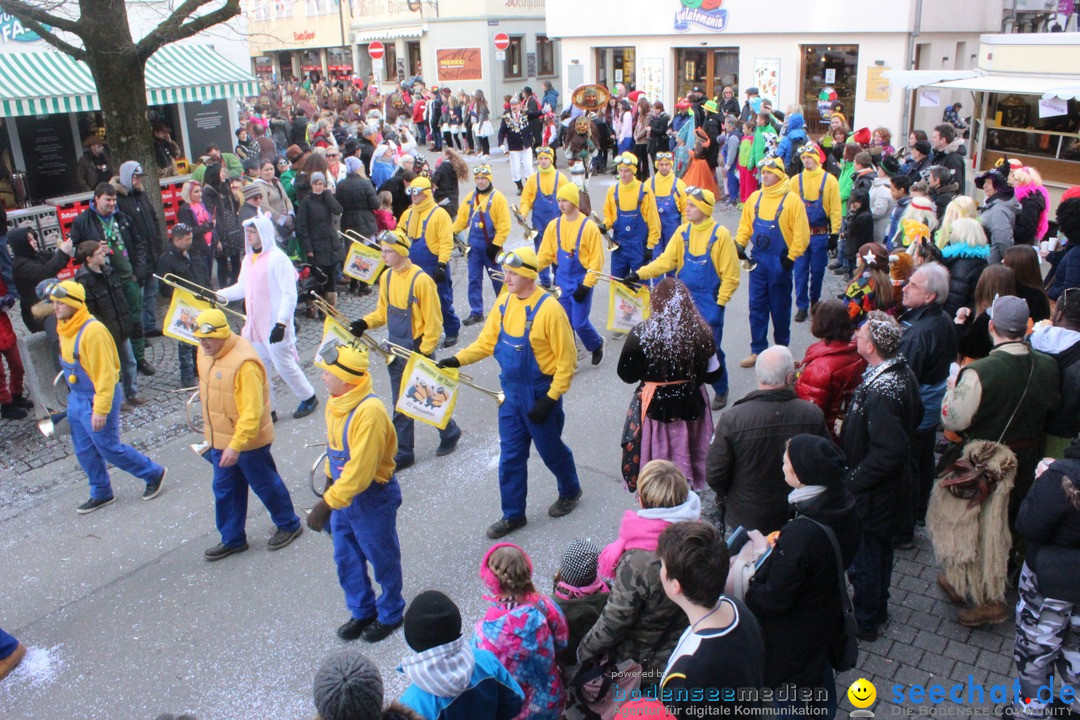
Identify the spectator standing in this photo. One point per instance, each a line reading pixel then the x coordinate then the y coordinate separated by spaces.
pixel 881 199
pixel 1023 260
pixel 30 264
pixel 194 213
pixel 131 199
pixel 228 234
pixel 178 260
pixel 1032 222
pixel 975 343
pixel 832 367
pixel 358 200
pixel 1065 272
pixel 998 213
pixel 965 259
pixel 451 171
pixel 945 154
pixel 13 406
pixel 95 166
pixel 1061 341
pixel 319 240
pixel 942 189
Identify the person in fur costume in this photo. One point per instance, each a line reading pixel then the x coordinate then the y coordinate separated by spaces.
pixel 582 141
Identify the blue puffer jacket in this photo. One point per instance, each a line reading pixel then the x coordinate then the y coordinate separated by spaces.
pixel 1066 271
pixel 794 139
pixel 457 682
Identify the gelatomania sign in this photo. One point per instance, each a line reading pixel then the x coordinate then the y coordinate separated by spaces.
pixel 703 13
pixel 11 29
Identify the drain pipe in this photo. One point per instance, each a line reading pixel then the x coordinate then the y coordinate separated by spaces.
pixel 907 121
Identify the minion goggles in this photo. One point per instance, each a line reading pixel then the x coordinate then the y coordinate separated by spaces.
pixel 511 260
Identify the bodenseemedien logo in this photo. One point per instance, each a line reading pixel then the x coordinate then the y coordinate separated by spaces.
pixel 862 695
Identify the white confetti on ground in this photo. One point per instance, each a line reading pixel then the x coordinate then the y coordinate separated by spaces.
pixel 34 676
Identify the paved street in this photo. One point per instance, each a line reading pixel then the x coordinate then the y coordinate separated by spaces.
pixel 124 618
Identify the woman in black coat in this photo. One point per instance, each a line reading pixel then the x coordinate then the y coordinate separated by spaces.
pixel 30 264
pixel 795 594
pixel 319 239
pixel 358 201
pixel 228 234
pixel 445 179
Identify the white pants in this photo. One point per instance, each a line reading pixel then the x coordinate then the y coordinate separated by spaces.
pixel 283 358
pixel 521 165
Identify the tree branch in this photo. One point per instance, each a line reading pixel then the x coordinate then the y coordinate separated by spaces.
pixel 174 28
pixel 32 18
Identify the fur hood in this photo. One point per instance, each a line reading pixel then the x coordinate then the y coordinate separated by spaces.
pixel 963 250
pixel 42 310
pixel 121 191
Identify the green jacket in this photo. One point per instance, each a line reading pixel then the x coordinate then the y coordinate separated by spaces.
pixel 287 178
pixel 847 178
pixel 757 152
pixel 231 163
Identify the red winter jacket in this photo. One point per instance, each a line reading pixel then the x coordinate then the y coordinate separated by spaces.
pixel 829 373
pixel 7 332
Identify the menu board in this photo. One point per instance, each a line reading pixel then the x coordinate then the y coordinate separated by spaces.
pixel 208 124
pixel 48 139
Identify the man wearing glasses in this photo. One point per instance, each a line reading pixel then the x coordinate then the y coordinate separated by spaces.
pixel 430 233
pixel 630 210
pixel 533 343
pixel 411 312
pixel 486 214
pixel 820 194
pixel 669 192
pixel 233 390
pixel 538 196
pixel 775 220
pixel 702 255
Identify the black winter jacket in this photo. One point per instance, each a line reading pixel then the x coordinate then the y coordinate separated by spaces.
pixel 172 261
pixel 144 230
pixel 123 261
pixel 1049 519
pixel 105 301
pixel 877 437
pixel 358 201
pixel 1027 222
pixel 928 343
pixel 444 186
pixel 1065 421
pixel 298 133
pixel 964 275
pixel 28 268
pixel 396 187
pixel 952 160
pixel 942 195
pixel 315 229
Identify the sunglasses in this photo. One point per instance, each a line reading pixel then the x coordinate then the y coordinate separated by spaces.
pixel 511 259
pixel 664 156
pixel 385 237
pixel 57 291
pixel 209 329
pixel 808 149
pixel 769 162
pixel 334 155
pixel 628 162
pixel 331 354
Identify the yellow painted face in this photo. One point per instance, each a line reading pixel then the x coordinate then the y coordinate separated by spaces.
pixel 862 693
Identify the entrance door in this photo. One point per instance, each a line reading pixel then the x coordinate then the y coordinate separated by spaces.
pixel 616 65
pixel 707 68
pixel 412 53
pixel 824 67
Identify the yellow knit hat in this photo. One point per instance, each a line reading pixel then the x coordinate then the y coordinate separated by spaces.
pixel 774 166
pixel 345 362
pixel 69 293
pixel 216 323
pixel 569 192
pixel 707 201
pixel 484 170
pixel 420 183
pixel 627 158
pixel 545 150
pixel 521 260
pixel 396 240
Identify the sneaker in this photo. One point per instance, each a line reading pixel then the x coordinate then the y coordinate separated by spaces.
pixel 448 445
pixel 153 489
pixel 618 336
pixel 378 631
pixel 281 538
pixel 91 505
pixel 838 270
pixel 12 412
pixel 402 462
pixel 749 361
pixel 354 628
pixel 836 266
pixel 306 407
pixel 564 506
pixel 598 354
pixel 450 341
pixel 221 550
pixel 12 661
pixel 136 401
pixel 472 320
pixel 145 368
pixel 719 402
pixel 21 401
pixel 503 526
pixel 800 316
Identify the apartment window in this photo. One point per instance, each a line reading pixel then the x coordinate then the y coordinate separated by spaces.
pixel 513 66
pixel 545 56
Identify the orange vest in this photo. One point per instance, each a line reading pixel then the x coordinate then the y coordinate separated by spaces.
pixel 217 392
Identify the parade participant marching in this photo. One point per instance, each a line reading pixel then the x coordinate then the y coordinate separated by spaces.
pixel 702 254
pixel 775 219
pixel 573 244
pixel 630 211
pixel 531 340
pixel 362 496
pixel 539 198
pixel 669 192
pixel 233 388
pixel 428 227
pixel 414 321
pixel 820 193
pixel 486 214
pixel 267 285
pixel 92 371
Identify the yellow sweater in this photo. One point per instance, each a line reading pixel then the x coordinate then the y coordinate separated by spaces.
pixel 550 181
pixel 793 224
pixel 724 256
pixel 495 203
pixel 590 254
pixel 666 185
pixel 97 355
pixel 439 238
pixel 831 200
pixel 628 195
pixel 427 319
pixel 372 443
pixel 551 338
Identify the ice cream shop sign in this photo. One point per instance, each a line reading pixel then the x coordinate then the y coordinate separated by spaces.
pixel 12 30
pixel 709 14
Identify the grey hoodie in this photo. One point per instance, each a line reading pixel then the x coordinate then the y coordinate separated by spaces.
pixel 443 671
pixel 998 217
pixel 127 171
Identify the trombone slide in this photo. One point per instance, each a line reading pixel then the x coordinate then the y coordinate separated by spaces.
pixel 215 299
pixel 402 352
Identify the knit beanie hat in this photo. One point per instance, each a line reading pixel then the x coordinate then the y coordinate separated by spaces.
pixel 705 203
pixel 862 136
pixel 817 460
pixel 579 562
pixel 432 619
pixel 348 686
pixel 570 193
pixel 317 177
pixel 397 240
pixel 352 164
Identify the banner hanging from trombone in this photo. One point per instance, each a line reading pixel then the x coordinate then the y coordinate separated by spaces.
pixel 180 319
pixel 428 393
pixel 363 263
pixel 626 307
pixel 334 333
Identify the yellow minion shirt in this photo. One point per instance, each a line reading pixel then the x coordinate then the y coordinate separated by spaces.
pixel 725 258
pixel 811 183
pixel 665 185
pixel 427 319
pixel 439 238
pixel 97 355
pixel 550 181
pixel 793 224
pixel 372 443
pixel 627 200
pixel 492 202
pixel 590 254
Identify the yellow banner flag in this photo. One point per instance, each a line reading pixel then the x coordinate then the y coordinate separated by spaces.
pixel 363 263
pixel 334 333
pixel 626 307
pixel 428 393
pixel 180 319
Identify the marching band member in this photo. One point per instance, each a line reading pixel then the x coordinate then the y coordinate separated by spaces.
pixel 539 197
pixel 531 339
pixel 702 255
pixel 669 191
pixel 414 320
pixel 233 387
pixel 92 371
pixel 573 243
pixel 630 211
pixel 487 215
pixel 362 495
pixel 428 227
pixel 820 194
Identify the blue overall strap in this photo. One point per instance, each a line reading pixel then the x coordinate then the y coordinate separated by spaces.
pixel 712 242
pixel 78 341
pixel 802 195
pixel 757 205
pixel 412 293
pixel 640 199
pixel 530 316
pixel 653 185
pixel 821 190
pixel 472 197
pixel 348 421
pixel 580 232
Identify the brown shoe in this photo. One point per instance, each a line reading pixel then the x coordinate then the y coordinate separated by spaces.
pixel 950 592
pixel 749 361
pixel 12 661
pixel 136 401
pixel 992 614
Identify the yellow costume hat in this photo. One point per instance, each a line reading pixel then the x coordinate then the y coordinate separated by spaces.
pixel 521 260
pixel 396 240
pixel 215 320
pixel 420 183
pixel 774 166
pixel 570 193
pixel 627 158
pixel 69 293
pixel 706 203
pixel 545 150
pixel 484 169
pixel 345 362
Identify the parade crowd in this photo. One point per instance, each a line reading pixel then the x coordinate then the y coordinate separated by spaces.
pixel 943 389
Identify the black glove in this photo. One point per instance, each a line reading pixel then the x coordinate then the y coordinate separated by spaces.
pixel 632 279
pixel 786 262
pixel 492 251
pixel 329 482
pixel 603 228
pixel 448 362
pixel 543 407
pixel 647 257
pixel 581 293
pixel 358 327
pixel 834 240
pixel 440 272
pixel 319 516
pixel 277 334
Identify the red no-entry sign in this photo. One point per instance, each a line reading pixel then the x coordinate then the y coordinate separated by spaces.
pixel 502 41
pixel 376 50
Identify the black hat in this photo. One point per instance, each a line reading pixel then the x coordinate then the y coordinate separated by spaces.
pixel 999 175
pixel 890 165
pixel 817 460
pixel 432 619
pixel 351 146
pixel 579 562
pixel 922 146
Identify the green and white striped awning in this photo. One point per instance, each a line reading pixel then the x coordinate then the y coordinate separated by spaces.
pixel 51 82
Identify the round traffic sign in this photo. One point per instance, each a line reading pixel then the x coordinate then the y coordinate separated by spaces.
pixel 376 50
pixel 502 41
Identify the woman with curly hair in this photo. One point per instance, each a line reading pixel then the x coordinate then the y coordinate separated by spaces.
pixel 451 169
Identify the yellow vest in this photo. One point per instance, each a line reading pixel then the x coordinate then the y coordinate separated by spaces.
pixel 217 391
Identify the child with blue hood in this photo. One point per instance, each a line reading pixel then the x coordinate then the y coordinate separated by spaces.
pixel 795 138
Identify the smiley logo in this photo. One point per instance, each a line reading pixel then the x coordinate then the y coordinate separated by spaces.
pixel 862 693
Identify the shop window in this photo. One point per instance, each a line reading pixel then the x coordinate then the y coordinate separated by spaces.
pixel 616 65
pixel 708 69
pixel 1049 144
pixel 545 56
pixel 825 68
pixel 512 65
pixel 390 61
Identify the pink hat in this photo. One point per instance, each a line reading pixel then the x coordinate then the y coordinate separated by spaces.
pixel 488 577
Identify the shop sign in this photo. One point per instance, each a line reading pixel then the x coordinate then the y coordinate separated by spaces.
pixel 12 30
pixel 1053 107
pixel 708 14
pixel 929 98
pixel 303 35
pixel 455 64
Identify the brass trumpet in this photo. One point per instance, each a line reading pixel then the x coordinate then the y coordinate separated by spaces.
pixel 320 304
pixel 404 353
pixel 47 425
pixel 461 246
pixel 530 231
pixel 553 289
pixel 611 244
pixel 215 299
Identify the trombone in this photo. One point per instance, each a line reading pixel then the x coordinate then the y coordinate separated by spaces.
pixel 404 353
pixel 530 231
pixel 353 236
pixel 553 289
pixel 611 244
pixel 320 304
pixel 215 299
pixel 461 246
pixel 613 279
pixel 47 425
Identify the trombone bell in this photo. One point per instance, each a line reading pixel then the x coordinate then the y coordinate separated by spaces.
pixel 47 425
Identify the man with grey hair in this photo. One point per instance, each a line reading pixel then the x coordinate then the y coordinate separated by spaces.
pixel 744 462
pixel 929 344
pixel 877 437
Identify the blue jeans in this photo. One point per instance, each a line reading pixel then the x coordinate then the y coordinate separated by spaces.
pixel 255 468
pixel 187 354
pixel 810 269
pixel 129 370
pixel 95 449
pixel 149 305
pixel 871 576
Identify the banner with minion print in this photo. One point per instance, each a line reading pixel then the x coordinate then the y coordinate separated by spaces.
pixel 626 307
pixel 428 393
pixel 180 319
pixel 334 333
pixel 363 263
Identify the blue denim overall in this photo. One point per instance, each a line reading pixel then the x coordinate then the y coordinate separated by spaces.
pixel 699 275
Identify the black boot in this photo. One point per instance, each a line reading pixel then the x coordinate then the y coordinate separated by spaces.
pixel 520 187
pixel 11 412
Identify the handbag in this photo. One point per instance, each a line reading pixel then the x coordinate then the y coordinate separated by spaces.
pixel 844 652
pixel 630 442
